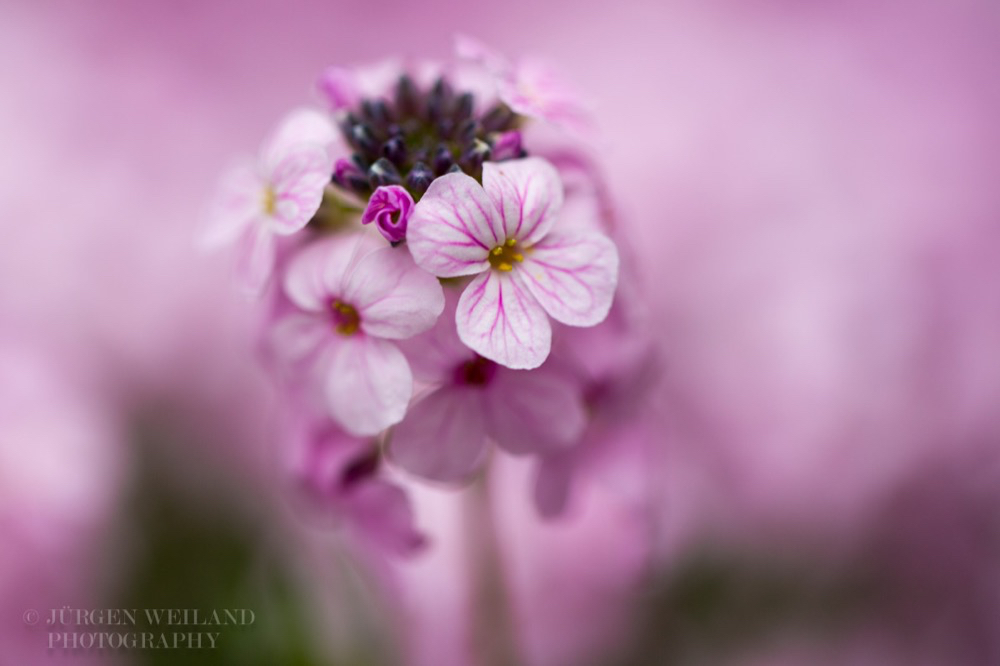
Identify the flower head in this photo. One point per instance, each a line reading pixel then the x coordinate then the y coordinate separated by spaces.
pixel 350 303
pixel 406 134
pixel 503 232
pixel 275 196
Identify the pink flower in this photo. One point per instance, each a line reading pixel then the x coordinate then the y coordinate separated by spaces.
pixel 444 435
pixel 390 208
pixel 529 87
pixel 338 478
pixel 275 196
pixel 350 303
pixel 502 232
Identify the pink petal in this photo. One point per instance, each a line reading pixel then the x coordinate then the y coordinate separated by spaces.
pixel 255 259
pixel 318 272
pixel 436 353
pixel 382 513
pixel 534 412
pixel 528 194
pixel 535 89
pixel 305 126
pixel 297 181
pixel 498 318
pixel 339 88
pixel 235 207
pixel 443 436
pixel 368 384
pixel 573 276
pixel 395 298
pixel 344 87
pixel 469 48
pixel 453 227
pixel 297 337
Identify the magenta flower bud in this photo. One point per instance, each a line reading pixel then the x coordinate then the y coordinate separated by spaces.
pixel 389 207
pixel 507 146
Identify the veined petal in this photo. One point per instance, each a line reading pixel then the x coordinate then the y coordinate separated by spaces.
pixel 498 318
pixel 318 272
pixel 573 276
pixel 255 260
pixel 395 298
pixel 443 436
pixel 453 227
pixel 528 194
pixel 534 412
pixel 368 384
pixel 297 181
pixel 238 203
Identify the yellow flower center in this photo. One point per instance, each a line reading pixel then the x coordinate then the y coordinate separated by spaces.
pixel 270 200
pixel 503 257
pixel 345 317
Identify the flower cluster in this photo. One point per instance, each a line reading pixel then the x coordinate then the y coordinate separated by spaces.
pixel 452 321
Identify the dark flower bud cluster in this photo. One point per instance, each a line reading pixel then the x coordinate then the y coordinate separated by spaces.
pixel 416 136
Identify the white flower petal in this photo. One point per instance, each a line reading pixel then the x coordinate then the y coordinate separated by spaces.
pixel 393 296
pixel 368 384
pixel 318 272
pixel 453 227
pixel 573 276
pixel 297 182
pixel 498 318
pixel 528 194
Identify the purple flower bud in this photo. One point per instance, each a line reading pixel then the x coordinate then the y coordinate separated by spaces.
pixel 507 146
pixel 389 207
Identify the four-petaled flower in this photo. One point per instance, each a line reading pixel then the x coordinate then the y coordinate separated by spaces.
pixel 351 302
pixel 504 232
pixel 445 434
pixel 275 196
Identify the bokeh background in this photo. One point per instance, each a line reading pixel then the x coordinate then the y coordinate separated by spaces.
pixel 811 190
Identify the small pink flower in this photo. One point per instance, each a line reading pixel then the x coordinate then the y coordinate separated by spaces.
pixel 502 232
pixel 275 196
pixel 529 87
pixel 390 207
pixel 350 303
pixel 445 434
pixel 339 479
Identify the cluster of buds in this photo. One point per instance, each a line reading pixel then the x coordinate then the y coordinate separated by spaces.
pixel 459 324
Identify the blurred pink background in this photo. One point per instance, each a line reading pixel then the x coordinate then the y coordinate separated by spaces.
pixel 811 194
